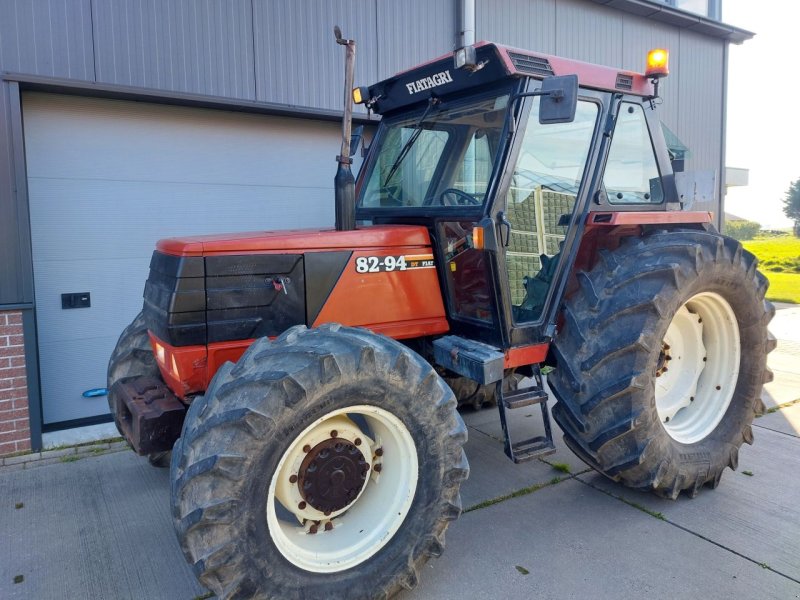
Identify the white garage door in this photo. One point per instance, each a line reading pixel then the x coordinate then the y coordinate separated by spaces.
pixel 108 178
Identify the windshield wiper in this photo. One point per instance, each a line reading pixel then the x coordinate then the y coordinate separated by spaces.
pixel 410 142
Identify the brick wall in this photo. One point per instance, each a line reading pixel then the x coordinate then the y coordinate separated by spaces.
pixel 15 434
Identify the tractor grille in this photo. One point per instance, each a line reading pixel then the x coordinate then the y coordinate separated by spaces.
pixel 199 300
pixel 531 65
pixel 624 81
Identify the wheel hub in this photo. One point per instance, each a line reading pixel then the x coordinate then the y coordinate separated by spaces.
pixel 332 475
pixel 697 367
pixel 342 488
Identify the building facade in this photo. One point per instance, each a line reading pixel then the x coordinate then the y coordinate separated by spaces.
pixel 124 121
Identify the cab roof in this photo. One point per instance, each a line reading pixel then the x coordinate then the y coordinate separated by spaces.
pixel 439 76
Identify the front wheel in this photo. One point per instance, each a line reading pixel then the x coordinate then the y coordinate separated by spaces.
pixel 661 360
pixel 325 464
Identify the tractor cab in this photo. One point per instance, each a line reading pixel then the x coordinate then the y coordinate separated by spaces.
pixel 504 160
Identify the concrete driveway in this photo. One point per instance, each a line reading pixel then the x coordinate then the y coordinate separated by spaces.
pixel 99 526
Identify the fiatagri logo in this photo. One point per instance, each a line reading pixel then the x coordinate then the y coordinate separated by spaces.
pixel 426 83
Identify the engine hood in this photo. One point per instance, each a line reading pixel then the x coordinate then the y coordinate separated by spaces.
pixel 376 236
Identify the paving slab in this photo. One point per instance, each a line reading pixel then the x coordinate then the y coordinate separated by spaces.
pixel 576 542
pixel 755 516
pixel 97 528
pixel 786 420
pixel 493 475
pixel 524 423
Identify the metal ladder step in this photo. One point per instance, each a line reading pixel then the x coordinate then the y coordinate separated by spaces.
pixel 535 447
pixel 524 397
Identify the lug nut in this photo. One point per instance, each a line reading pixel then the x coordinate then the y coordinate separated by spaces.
pixel 302 505
pixel 306 448
pixel 357 441
pixel 293 479
pixel 328 526
pixel 334 433
pixel 691 398
pixel 666 420
pixel 312 529
pixel 719 388
pixel 378 468
pixel 379 452
pixel 705 358
pixel 327 513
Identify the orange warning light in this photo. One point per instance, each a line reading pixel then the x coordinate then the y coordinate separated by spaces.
pixel 657 63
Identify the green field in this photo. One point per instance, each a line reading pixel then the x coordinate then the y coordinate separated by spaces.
pixel 779 260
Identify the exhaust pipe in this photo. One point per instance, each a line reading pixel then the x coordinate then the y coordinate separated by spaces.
pixel 344 183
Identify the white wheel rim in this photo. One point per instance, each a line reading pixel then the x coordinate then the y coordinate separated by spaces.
pixel 698 368
pixel 364 526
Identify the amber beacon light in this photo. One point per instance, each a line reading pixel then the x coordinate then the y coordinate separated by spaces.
pixel 657 63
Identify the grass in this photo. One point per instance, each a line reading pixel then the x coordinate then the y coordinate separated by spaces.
pixel 18 505
pixel 523 492
pixel 769 411
pixel 748 473
pixel 779 260
pixel 522 570
pixel 563 467
pixel 19 578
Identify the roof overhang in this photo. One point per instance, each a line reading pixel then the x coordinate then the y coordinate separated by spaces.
pixel 77 87
pixel 681 19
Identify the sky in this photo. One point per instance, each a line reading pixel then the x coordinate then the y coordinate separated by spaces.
pixel 763 107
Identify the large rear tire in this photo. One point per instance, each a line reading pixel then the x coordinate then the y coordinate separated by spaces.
pixel 133 357
pixel 325 464
pixel 661 360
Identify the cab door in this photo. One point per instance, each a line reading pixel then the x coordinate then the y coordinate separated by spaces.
pixel 542 197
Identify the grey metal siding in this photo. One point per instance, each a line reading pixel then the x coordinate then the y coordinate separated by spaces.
pixel 692 97
pixel 201 46
pixel 47 37
pixel 521 23
pixel 588 32
pixel 411 32
pixel 12 284
pixel 700 101
pixel 297 60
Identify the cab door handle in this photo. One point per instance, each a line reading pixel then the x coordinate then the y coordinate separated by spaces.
pixel 502 222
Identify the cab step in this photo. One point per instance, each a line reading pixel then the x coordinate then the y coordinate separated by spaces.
pixel 535 447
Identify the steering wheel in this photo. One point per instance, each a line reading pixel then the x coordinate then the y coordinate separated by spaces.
pixel 458 198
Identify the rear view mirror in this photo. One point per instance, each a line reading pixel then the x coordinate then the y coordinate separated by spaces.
pixel 355 139
pixel 559 99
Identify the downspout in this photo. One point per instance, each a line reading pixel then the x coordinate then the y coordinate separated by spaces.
pixel 465 23
pixel 722 189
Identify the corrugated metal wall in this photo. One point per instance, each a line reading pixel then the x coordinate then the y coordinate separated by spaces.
pixel 283 51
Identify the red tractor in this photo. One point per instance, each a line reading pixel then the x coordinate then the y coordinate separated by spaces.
pixel 514 211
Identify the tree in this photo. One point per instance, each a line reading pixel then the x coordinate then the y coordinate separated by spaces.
pixel 791 205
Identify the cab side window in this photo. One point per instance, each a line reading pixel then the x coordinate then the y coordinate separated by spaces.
pixel 631 175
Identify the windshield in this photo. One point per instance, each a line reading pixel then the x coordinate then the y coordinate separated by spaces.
pixel 442 157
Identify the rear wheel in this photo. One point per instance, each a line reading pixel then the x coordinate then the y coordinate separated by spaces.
pixel 325 464
pixel 661 360
pixel 133 357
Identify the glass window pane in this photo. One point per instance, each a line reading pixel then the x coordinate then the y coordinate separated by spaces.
pixel 631 175
pixel 444 161
pixel 540 201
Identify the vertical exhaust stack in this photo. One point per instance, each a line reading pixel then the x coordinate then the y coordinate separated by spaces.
pixel 344 182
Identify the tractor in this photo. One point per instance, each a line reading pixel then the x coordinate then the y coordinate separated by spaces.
pixel 514 212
